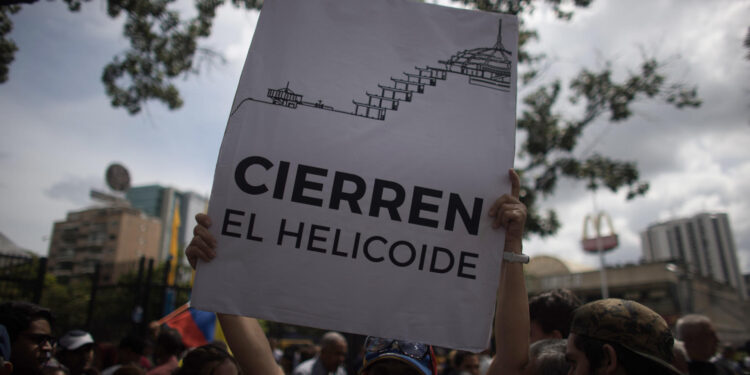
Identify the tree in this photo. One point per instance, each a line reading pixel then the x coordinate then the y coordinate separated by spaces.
pixel 163 46
pixel 68 302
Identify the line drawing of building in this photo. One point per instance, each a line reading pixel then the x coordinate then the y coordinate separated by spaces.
pixel 488 67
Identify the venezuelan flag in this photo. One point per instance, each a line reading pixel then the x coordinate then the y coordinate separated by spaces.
pixel 196 327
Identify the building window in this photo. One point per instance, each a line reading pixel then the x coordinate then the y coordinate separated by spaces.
pixel 65 266
pixel 69 235
pixel 657 294
pixel 633 295
pixel 720 245
pixel 696 263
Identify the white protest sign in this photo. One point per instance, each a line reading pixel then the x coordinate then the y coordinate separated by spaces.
pixel 366 143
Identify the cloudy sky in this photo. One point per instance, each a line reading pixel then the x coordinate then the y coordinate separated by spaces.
pixel 60 133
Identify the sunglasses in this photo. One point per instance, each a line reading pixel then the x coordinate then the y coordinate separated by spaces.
pixel 377 345
pixel 40 338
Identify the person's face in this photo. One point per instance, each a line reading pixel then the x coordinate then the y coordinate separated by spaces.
pixel 470 365
pixel 32 348
pixel 79 359
pixel 333 356
pixel 579 364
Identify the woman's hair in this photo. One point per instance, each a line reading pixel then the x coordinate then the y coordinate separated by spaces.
pixel 203 360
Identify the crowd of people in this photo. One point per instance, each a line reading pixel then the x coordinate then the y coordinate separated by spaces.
pixel 550 333
pixel 607 336
pixel 27 346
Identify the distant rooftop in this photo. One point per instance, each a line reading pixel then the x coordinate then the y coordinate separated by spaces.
pixel 546 265
pixel 8 247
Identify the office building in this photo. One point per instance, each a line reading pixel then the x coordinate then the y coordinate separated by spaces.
pixel 703 245
pixel 160 202
pixel 115 237
pixel 661 285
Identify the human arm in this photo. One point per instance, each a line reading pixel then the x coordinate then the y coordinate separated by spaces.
pixel 512 307
pixel 244 335
pixel 249 345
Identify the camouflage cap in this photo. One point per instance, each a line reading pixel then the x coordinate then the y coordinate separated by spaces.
pixel 628 323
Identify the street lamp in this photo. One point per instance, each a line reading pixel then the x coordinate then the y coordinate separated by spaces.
pixel 684 289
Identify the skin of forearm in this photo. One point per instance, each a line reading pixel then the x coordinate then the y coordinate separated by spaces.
pixel 249 345
pixel 512 318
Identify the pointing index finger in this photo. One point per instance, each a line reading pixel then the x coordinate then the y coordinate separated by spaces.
pixel 515 183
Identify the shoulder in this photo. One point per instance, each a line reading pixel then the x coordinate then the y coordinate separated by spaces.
pixel 305 368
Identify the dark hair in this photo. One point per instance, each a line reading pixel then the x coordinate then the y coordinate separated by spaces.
pixel 553 310
pixel 16 316
pixel 381 368
pixel 169 341
pixel 549 357
pixel 134 343
pixel 460 357
pixel 204 360
pixel 630 361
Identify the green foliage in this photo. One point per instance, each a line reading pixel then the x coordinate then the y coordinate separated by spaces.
pixel 552 136
pixel 19 275
pixel 69 302
pixel 8 47
pixel 113 304
pixel 163 46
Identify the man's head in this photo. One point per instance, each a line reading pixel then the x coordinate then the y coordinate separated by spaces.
pixel 614 335
pixel 550 313
pixel 30 330
pixel 208 359
pixel 131 349
pixel 699 336
pixel 467 363
pixel 332 350
pixel 76 351
pixel 547 357
pixel 396 357
pixel 168 344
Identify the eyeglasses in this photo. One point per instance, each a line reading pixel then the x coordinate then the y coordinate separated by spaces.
pixel 379 345
pixel 40 338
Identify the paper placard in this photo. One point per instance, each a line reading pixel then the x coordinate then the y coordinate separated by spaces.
pixel 366 143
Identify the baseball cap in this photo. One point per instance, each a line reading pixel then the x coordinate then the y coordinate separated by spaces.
pixel 417 355
pixel 75 339
pixel 629 324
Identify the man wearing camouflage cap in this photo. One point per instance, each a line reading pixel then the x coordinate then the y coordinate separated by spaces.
pixel 615 336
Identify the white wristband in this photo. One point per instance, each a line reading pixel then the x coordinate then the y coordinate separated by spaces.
pixel 515 257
